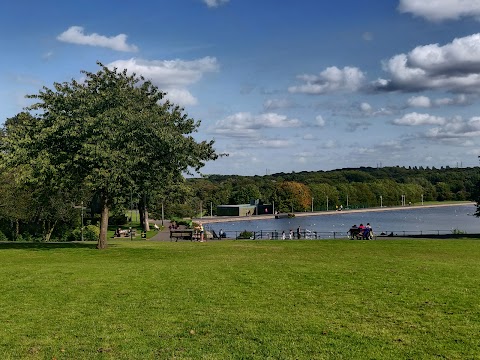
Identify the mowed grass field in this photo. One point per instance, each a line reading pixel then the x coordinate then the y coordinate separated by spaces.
pixel 322 299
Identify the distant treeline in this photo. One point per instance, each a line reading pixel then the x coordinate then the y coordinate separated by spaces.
pixel 31 212
pixel 352 187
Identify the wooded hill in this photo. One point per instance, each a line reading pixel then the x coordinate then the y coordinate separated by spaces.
pixel 355 187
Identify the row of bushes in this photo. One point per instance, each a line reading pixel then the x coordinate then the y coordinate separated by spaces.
pixel 90 233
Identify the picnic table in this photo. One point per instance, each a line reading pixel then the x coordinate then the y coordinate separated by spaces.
pixel 124 232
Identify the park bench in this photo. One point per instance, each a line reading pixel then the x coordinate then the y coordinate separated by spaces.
pixel 185 234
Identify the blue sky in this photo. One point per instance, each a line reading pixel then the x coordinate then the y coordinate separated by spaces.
pixel 280 85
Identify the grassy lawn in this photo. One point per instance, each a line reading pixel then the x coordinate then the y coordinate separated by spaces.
pixel 338 299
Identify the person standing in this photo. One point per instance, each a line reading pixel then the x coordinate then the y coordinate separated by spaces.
pixel 283 235
pixel 298 232
pixel 200 229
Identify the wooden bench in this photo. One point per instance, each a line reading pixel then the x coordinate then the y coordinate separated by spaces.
pixel 185 234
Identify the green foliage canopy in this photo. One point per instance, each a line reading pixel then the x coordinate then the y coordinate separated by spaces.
pixel 108 134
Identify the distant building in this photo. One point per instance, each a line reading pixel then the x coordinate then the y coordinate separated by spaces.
pixel 256 207
pixel 235 210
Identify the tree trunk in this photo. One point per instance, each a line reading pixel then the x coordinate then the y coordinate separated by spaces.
pixel 102 239
pixel 49 232
pixel 17 229
pixel 146 225
pixel 142 210
pixel 141 213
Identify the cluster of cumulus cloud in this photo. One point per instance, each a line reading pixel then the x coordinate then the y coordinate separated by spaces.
pixel 452 67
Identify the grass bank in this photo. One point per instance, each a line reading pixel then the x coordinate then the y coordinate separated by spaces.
pixel 389 299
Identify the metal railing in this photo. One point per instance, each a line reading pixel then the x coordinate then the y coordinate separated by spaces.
pixel 308 234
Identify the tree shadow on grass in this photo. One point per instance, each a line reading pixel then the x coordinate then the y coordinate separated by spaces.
pixel 48 245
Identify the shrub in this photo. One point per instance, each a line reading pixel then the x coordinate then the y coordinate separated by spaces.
pixel 180 221
pixel 90 233
pixel 245 235
pixel 3 237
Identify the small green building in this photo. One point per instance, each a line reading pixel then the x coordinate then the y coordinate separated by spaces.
pixel 236 210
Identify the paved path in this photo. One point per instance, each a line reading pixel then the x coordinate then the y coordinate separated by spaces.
pixel 162 235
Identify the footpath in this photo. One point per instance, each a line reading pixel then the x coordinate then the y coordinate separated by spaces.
pixel 164 234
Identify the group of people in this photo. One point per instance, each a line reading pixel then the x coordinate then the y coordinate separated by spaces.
pixel 290 234
pixel 361 232
pixel 173 225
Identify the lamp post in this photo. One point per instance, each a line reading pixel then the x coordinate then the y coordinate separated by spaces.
pixel 312 203
pixel 381 201
pixel 131 206
pixel 163 214
pixel 327 203
pixel 82 220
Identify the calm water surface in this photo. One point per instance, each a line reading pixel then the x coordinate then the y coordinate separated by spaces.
pixel 427 220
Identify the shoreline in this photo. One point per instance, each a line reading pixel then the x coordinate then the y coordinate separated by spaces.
pixel 216 219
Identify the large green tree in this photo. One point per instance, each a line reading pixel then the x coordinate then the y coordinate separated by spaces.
pixel 111 133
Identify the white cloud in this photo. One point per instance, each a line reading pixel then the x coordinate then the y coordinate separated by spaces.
pixel 171 76
pixel 48 55
pixel 319 121
pixel 273 104
pixel 75 35
pixel 390 145
pixel 453 67
pixel 419 101
pixel 274 143
pixel 181 96
pixel 426 102
pixel 366 108
pixel 328 144
pixel 415 119
pixel 367 36
pixel 332 79
pixel 244 124
pixel 309 136
pixel 456 128
pixel 215 3
pixel 438 10
pixel 444 101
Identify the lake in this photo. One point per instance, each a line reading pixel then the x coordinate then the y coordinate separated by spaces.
pixel 336 224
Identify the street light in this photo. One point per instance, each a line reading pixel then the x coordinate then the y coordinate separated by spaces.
pixel 81 217
pixel 312 203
